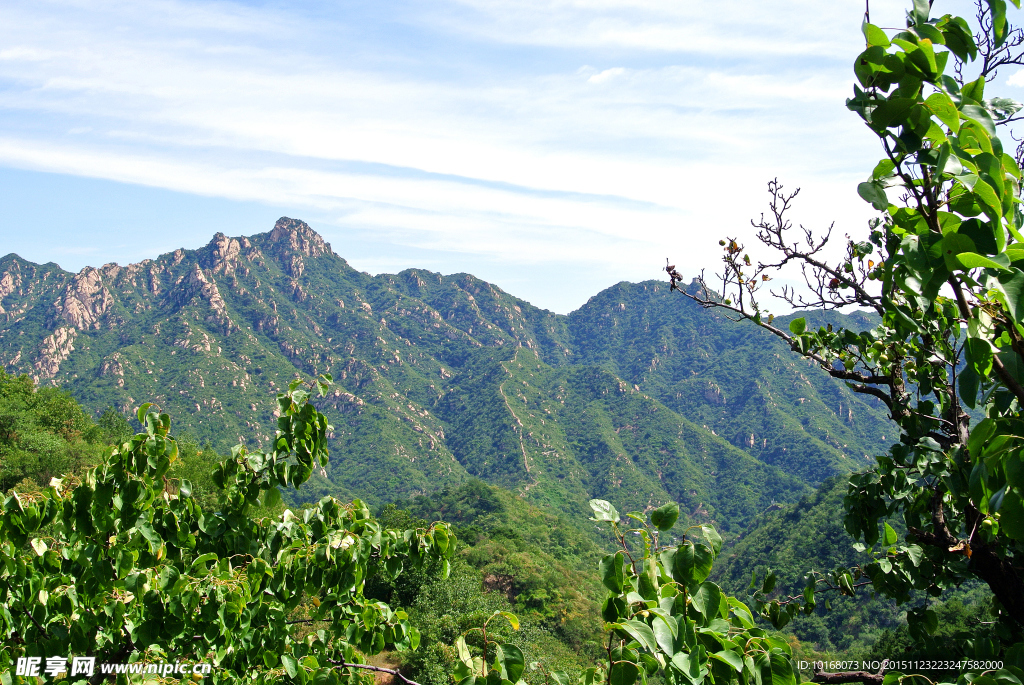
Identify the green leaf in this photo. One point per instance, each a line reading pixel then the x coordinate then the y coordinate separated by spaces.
pixel 948 163
pixel 651 665
pixel 168 578
pixel 741 612
pixel 769 581
pixel 915 553
pixel 874 35
pixel 641 632
pixel 271 497
pixel 979 355
pixel 512 662
pixel 981 116
pixel 967 385
pixel 988 200
pixel 1011 515
pixel 873 193
pixel 707 599
pixel 930 32
pixel 664 634
pixel 884 169
pixel 973 260
pixel 980 434
pixel 713 538
pixel 1011 287
pixel 889 535
pixel 463 650
pixel 512 619
pixel 1002 108
pixel 920 16
pixel 730 658
pixel 141 413
pixel 291 665
pixel 999 24
pixel 959 40
pixel 939 104
pixel 891 113
pixel 39 545
pixel 199 564
pixel 623 673
pixel 782 667
pixel 665 516
pixel 974 90
pixel 952 245
pixel 610 568
pixel 604 511
pixel 798 326
pixel 692 562
pixel 688 665
pixel 1013 363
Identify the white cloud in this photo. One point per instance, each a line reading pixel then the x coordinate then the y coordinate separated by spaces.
pixel 491 139
pixel 729 27
pixel 606 75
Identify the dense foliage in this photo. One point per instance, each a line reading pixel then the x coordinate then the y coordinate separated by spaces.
pixel 946 289
pixel 44 433
pixel 511 556
pixel 809 536
pixel 139 553
pixel 124 566
pixel 300 597
pixel 664 616
pixel 637 397
pixel 543 563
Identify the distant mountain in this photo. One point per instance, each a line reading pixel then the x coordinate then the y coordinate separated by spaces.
pixel 638 397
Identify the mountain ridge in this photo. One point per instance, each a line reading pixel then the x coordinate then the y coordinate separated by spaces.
pixel 442 378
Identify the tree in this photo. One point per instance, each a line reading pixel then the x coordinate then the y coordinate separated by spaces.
pixel 124 567
pixel 942 268
pixel 43 433
pixel 662 616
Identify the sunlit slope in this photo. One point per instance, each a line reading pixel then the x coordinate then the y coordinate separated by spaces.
pixel 731 377
pixel 639 397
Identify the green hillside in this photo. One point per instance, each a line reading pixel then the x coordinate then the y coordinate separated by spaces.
pixel 542 565
pixel 511 556
pixel 809 535
pixel 732 378
pixel 639 397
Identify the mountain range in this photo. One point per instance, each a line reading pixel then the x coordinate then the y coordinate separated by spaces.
pixel 638 397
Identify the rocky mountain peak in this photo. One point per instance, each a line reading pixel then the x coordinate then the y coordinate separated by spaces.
pixel 222 253
pixel 85 300
pixel 298 237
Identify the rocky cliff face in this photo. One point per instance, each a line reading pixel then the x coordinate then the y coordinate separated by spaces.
pixel 438 377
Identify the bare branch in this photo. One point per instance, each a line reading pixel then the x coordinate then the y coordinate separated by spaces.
pixel 1011 52
pixel 866 677
pixel 377 669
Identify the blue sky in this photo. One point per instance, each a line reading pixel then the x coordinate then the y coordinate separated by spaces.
pixel 554 147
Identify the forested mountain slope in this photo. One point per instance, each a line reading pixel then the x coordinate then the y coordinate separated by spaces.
pixel 639 397
pixel 808 535
pixel 731 377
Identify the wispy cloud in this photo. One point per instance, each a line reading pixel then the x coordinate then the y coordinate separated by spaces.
pixel 536 131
